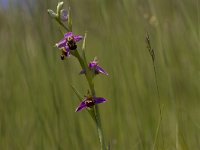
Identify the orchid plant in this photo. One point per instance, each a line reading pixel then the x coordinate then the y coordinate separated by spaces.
pixel 68 47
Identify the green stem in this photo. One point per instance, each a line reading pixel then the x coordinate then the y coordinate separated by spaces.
pixel 60 23
pixel 158 128
pixel 88 75
pixel 99 128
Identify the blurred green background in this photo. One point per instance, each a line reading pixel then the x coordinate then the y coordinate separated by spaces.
pixel 37 103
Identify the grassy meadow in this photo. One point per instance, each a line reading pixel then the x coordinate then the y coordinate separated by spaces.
pixel 37 103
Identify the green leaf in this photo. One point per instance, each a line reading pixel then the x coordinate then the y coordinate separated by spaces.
pixel 69 19
pixel 84 41
pixel 83 49
pixel 80 97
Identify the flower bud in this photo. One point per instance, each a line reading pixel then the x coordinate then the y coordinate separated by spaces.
pixel 52 13
pixel 63 15
pixel 59 7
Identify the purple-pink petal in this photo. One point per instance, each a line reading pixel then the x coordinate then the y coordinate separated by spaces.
pixel 77 38
pixel 81 106
pixel 61 43
pixel 99 100
pixel 68 34
pixel 92 65
pixel 101 70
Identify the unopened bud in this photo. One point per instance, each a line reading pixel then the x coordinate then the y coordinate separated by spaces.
pixel 52 13
pixel 63 15
pixel 59 7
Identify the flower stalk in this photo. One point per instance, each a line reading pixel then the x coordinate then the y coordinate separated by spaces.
pixel 152 54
